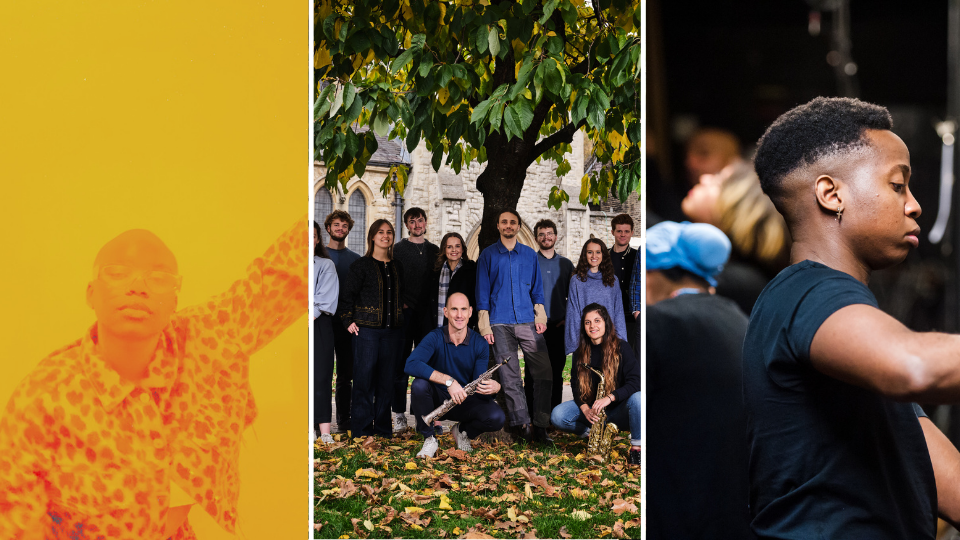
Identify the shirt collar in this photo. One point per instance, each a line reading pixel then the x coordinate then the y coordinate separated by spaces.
pixel 113 389
pixel 446 335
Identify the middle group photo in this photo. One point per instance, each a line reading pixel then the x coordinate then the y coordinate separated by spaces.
pixel 476 273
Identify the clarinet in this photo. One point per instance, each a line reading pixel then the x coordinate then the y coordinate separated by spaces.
pixel 470 389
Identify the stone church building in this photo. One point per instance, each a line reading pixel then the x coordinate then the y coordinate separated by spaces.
pixel 453 204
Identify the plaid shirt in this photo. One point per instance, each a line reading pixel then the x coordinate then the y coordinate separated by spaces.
pixel 445 275
pixel 636 286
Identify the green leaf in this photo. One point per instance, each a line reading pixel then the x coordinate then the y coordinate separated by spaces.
pixel 480 111
pixel 524 110
pixel 548 10
pixel 401 61
pixel 455 159
pixel 413 139
pixel 446 73
pixel 352 144
pixel 381 124
pixel 496 117
pixel 337 101
pixel 563 168
pixel 511 119
pixel 460 72
pixel 437 158
pixel 330 26
pixel 493 38
pixel 557 197
pixel 481 38
pixel 552 77
pixel 348 95
pixel 523 78
pixel 322 105
pixel 426 64
pixel 528 6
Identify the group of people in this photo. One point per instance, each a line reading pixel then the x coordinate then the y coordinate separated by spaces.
pixel 800 421
pixel 413 309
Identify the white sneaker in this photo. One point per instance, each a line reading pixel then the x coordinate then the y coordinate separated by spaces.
pixel 326 438
pixel 399 422
pixel 430 447
pixel 463 442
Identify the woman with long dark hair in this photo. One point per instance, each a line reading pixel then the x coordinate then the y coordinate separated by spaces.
pixel 452 272
pixel 370 308
pixel 593 282
pixel 326 292
pixel 601 348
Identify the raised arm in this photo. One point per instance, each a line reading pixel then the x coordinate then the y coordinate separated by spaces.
pixel 268 299
pixel 863 346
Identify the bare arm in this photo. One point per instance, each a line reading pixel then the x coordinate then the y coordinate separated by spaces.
pixel 946 469
pixel 864 346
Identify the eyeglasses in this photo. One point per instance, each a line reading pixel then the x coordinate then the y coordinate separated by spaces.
pixel 546 235
pixel 117 275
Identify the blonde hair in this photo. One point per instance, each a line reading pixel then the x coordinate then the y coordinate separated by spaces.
pixel 747 216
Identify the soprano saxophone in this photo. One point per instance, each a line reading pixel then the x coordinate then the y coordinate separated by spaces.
pixel 470 389
pixel 602 432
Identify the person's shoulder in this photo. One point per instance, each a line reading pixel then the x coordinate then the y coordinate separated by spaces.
pixel 526 250
pixel 54 373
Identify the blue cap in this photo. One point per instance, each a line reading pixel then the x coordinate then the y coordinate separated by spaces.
pixel 698 248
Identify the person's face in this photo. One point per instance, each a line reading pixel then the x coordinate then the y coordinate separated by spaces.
pixel 458 311
pixel 508 225
pixel 134 290
pixel 546 238
pixel 453 249
pixel 594 326
pixel 416 226
pixel 880 212
pixel 622 235
pixel 594 255
pixel 384 237
pixel 708 153
pixel 316 237
pixel 700 204
pixel 338 230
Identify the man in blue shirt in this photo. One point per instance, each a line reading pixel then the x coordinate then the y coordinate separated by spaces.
pixel 447 359
pixel 510 300
pixel 338 225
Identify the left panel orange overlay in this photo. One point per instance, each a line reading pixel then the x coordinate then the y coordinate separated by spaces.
pixel 187 119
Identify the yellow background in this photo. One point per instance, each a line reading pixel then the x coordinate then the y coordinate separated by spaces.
pixel 186 118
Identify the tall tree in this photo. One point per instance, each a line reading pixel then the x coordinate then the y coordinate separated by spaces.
pixel 502 82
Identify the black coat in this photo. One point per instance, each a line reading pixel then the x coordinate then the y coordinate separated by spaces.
pixel 361 298
pixel 464 281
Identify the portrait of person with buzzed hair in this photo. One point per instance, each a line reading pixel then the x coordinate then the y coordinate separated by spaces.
pixel 121 433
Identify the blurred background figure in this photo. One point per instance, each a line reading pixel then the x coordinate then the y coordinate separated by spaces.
pixel 696 454
pixel 709 151
pixel 733 201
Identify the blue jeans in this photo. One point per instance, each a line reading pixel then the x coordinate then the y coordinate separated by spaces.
pixel 568 417
pixel 375 352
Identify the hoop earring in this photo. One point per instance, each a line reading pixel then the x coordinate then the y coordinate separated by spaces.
pixel 839 214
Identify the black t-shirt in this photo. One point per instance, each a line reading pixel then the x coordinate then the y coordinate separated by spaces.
pixel 696 472
pixel 826 459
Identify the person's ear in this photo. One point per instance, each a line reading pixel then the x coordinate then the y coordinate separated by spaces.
pixel 829 192
pixel 90 294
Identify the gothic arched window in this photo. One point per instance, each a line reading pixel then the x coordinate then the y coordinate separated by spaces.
pixel 357 241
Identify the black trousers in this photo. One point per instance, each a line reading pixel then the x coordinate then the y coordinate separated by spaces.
pixel 343 348
pixel 323 348
pixel 554 338
pixel 477 414
pixel 411 338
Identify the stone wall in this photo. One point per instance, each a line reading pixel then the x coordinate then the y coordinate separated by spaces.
pixel 453 203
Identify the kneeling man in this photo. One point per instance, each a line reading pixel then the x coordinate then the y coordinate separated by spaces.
pixel 446 360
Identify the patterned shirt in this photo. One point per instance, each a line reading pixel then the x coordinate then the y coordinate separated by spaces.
pixel 87 454
pixel 445 276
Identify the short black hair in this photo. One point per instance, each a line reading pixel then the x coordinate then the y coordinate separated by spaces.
pixel 677 274
pixel 809 132
pixel 414 213
pixel 512 211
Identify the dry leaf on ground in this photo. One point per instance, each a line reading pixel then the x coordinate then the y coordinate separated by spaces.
pixel 563 532
pixel 620 506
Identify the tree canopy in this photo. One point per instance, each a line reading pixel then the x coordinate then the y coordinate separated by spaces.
pixel 473 79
